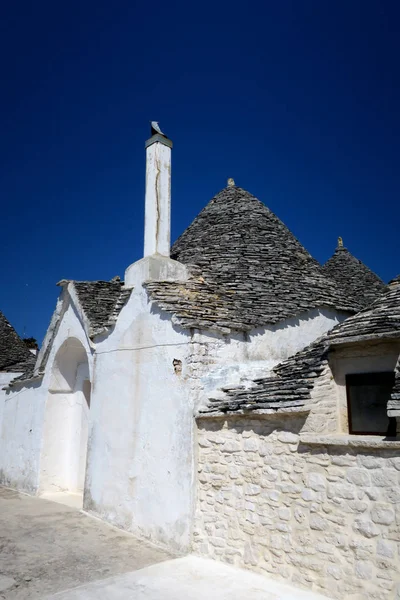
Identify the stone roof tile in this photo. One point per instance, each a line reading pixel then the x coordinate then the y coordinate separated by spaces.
pixel 101 302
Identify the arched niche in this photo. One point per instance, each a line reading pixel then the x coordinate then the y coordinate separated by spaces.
pixel 66 423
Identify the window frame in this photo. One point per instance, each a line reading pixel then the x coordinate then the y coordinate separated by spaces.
pixel 368 378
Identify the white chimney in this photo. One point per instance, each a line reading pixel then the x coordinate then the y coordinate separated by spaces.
pixel 156 265
pixel 157 228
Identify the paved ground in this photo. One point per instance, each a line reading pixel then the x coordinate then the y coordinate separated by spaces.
pixel 54 551
pixel 188 578
pixel 47 547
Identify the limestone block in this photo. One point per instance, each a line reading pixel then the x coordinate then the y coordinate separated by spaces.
pixel 385 548
pixel 341 490
pixel 366 528
pixel 363 569
pixel 317 522
pixel 251 445
pixel 359 477
pixel 384 478
pixel 316 482
pixel 287 437
pixel 382 514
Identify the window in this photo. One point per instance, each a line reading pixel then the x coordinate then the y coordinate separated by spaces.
pixel 367 398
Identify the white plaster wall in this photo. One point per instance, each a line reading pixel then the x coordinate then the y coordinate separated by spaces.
pixel 5 379
pixel 55 465
pixel 239 358
pixel 140 453
pixel 24 410
pixel 21 435
pixel 64 439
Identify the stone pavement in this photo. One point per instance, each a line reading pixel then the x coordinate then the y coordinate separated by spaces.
pixel 189 578
pixel 50 550
pixel 47 547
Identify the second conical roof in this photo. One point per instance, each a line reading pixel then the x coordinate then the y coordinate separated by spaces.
pixel 356 280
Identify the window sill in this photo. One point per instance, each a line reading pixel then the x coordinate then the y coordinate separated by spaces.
pixel 351 441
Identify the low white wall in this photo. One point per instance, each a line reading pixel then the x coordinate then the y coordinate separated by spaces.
pixel 21 436
pixel 5 379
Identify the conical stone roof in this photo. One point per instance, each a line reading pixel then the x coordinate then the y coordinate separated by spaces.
pixel 248 269
pixel 14 354
pixel 357 281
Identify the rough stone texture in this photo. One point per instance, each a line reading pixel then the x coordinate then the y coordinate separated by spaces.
pixel 290 385
pixel 355 278
pixel 14 354
pixel 323 517
pixel 101 302
pixel 247 270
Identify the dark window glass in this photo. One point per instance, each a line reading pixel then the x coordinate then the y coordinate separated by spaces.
pixel 367 398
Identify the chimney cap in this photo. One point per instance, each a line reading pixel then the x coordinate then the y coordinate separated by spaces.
pixel 157 136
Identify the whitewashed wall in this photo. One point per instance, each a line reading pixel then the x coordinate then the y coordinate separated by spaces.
pixel 24 414
pixel 21 436
pixel 227 360
pixel 140 459
pixel 5 379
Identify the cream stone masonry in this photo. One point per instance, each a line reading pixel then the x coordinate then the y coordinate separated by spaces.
pixel 322 517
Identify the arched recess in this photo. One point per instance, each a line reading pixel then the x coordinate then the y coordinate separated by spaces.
pixel 65 437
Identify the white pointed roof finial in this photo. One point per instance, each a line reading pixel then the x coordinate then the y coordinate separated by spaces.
pixel 231 182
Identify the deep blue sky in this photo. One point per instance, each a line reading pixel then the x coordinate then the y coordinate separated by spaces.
pixel 297 100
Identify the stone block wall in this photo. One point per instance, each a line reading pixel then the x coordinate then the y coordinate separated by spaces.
pixel 322 517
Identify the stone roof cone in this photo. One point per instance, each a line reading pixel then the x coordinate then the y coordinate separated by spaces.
pixel 353 276
pixel 251 270
pixel 14 354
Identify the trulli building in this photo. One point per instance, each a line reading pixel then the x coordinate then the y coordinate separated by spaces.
pixel 196 403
